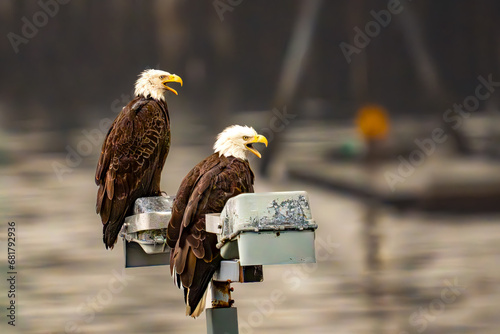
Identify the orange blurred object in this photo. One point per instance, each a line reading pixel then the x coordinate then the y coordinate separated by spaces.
pixel 373 121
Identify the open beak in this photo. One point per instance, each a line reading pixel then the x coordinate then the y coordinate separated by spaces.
pixel 256 139
pixel 172 78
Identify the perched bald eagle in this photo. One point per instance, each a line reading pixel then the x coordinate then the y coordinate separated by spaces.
pixel 134 152
pixel 206 189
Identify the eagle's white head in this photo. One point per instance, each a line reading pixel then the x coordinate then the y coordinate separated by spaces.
pixel 237 141
pixel 154 83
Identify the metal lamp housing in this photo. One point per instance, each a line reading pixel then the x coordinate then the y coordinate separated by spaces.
pixel 265 228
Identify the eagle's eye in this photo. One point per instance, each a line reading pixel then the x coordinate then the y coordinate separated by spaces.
pixel 245 137
pixel 162 77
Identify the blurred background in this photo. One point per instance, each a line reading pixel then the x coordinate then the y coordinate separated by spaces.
pixel 385 112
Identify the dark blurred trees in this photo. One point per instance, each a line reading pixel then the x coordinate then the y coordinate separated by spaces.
pixel 90 53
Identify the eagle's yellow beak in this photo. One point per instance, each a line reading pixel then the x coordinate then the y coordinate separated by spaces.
pixel 172 78
pixel 253 140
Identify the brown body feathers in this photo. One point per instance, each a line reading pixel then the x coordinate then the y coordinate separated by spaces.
pixel 206 189
pixel 131 161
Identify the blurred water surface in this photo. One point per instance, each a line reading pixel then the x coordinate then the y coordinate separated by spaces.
pixel 431 273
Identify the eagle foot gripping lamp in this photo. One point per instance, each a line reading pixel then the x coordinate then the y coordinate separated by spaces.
pixel 252 230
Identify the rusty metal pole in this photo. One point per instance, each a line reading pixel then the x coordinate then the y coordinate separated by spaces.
pixel 222 318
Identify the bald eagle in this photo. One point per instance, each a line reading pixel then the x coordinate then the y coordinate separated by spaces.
pixel 134 152
pixel 206 189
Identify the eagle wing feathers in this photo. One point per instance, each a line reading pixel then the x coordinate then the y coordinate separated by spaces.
pixel 205 189
pixel 131 161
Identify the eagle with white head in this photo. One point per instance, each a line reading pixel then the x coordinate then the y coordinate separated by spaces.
pixel 134 152
pixel 207 187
